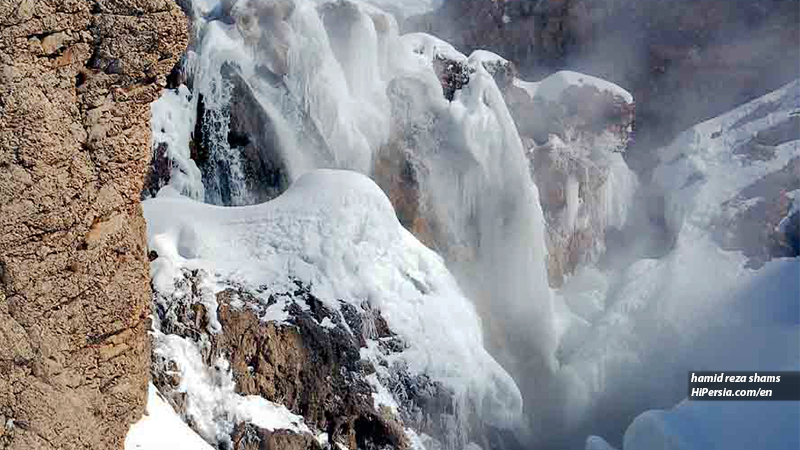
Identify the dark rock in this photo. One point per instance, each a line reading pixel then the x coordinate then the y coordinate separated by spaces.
pixel 453 75
pixel 159 172
pixel 316 371
pixel 252 137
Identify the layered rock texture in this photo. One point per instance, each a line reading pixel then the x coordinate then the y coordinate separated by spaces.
pixel 310 364
pixel 76 82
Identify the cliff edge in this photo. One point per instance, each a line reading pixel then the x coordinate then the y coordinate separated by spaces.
pixel 76 82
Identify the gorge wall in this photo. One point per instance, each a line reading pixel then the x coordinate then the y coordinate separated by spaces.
pixel 76 82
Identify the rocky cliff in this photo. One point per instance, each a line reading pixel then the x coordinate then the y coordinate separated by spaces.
pixel 76 82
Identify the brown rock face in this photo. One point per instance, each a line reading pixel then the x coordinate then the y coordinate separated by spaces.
pixel 315 371
pixel 76 81
pixel 249 437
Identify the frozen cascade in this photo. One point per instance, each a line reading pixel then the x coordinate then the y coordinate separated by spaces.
pixel 335 107
pixel 339 83
pixel 222 158
pixel 477 181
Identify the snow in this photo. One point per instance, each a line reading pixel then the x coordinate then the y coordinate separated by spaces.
pixel 486 58
pixel 345 78
pixel 336 76
pixel 323 440
pixel 553 86
pixel 530 87
pixel 172 119
pixel 703 425
pixel 698 425
pixel 597 443
pixel 337 232
pixel 619 189
pixel 381 396
pixel 408 8
pixel 212 403
pixel 343 72
pixel 429 47
pixel 698 307
pixel 696 156
pixel 161 428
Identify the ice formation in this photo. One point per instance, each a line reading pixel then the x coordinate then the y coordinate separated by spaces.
pixel 173 118
pixel 337 70
pixel 339 81
pixel 338 232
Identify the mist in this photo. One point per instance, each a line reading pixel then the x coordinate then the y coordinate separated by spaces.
pixel 685 62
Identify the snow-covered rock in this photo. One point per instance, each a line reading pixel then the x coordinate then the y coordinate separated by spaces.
pixel 575 128
pixel 343 68
pixel 733 176
pixel 555 86
pixel 338 87
pixel 337 233
pixel 272 346
pixel 705 303
pixel 162 428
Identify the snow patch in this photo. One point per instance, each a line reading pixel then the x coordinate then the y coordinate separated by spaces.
pixel 161 428
pixel 211 399
pixel 553 86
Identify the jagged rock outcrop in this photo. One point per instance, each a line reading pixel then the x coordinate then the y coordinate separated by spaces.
pixel 310 363
pixel 76 81
pixel 291 349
